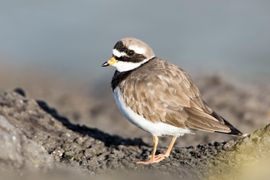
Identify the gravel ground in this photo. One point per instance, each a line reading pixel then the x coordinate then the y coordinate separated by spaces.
pixel 39 128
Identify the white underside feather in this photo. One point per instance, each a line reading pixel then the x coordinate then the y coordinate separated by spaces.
pixel 158 128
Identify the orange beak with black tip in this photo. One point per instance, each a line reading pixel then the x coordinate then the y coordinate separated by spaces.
pixel 110 62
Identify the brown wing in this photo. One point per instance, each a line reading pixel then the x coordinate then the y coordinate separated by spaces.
pixel 160 91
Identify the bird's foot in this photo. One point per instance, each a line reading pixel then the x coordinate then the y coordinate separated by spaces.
pixel 156 159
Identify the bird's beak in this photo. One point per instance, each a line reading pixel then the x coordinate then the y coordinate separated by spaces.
pixel 110 62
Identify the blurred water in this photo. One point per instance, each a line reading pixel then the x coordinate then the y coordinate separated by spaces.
pixel 77 36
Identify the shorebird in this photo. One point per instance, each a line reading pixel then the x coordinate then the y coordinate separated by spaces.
pixel 159 97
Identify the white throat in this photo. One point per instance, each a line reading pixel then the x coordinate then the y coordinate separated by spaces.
pixel 122 66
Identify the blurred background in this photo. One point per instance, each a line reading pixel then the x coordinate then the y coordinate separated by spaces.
pixel 53 49
pixel 75 37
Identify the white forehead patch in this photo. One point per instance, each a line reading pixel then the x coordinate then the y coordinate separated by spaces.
pixel 137 49
pixel 118 54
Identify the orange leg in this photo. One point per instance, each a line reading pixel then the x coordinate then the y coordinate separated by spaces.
pixel 152 158
pixel 169 150
pixel 157 158
pixel 160 157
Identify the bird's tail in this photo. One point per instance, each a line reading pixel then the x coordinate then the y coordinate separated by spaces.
pixel 234 131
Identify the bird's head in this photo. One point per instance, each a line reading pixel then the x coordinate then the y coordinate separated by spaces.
pixel 128 54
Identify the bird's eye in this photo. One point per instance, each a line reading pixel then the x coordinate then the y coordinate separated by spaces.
pixel 130 52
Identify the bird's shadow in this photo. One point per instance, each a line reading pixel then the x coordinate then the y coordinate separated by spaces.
pixel 107 139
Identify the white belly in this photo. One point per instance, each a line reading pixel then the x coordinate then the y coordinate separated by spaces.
pixel 157 128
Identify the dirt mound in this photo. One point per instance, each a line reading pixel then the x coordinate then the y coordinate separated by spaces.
pixel 44 136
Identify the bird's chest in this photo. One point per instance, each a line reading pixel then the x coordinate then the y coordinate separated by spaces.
pixel 132 116
pixel 157 128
